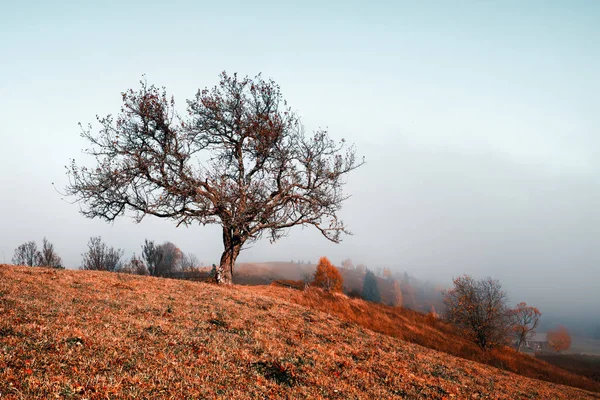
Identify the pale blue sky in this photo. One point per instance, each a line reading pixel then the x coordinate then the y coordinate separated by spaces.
pixel 479 121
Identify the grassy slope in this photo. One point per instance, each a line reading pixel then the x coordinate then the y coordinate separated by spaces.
pixel 76 334
pixel 429 332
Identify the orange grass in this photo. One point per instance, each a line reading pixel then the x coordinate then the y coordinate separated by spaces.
pixel 100 335
pixel 427 331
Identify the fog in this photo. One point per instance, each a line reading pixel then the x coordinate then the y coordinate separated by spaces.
pixel 479 125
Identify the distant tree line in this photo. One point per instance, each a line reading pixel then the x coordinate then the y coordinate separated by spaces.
pixel 162 260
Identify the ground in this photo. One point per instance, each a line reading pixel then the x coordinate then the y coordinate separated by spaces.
pixel 98 335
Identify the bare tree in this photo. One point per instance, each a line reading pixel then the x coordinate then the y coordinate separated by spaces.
pixel 526 319
pixel 241 159
pixel 135 266
pixel 152 256
pixel 189 262
pixel 26 254
pixel 48 257
pixel 479 307
pixel 100 257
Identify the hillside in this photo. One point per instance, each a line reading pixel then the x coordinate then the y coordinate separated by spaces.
pixel 93 335
pixel 417 297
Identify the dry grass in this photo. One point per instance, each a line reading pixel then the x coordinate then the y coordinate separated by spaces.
pixel 426 331
pixel 97 335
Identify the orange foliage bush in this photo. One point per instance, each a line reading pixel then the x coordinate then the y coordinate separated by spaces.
pixel 327 276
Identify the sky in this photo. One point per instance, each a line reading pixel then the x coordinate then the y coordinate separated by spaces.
pixel 478 121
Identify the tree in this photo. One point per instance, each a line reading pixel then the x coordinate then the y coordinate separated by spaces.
pixel 189 262
pixel 100 257
pixel 347 263
pixel 240 159
pixel 135 266
pixel 361 268
pixel 170 259
pixel 479 307
pixel 397 299
pixel 370 289
pixel 48 257
pixel 387 273
pixel 162 260
pixel 559 339
pixel 327 276
pixel 152 256
pixel 26 254
pixel 526 319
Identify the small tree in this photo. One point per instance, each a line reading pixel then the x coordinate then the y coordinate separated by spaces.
pixel 152 256
pixel 170 259
pixel 100 257
pixel 327 276
pixel 370 290
pixel 559 339
pixel 135 266
pixel 361 268
pixel 397 298
pixel 241 159
pixel 48 257
pixel 347 263
pixel 526 319
pixel 387 273
pixel 26 254
pixel 479 307
pixel 189 262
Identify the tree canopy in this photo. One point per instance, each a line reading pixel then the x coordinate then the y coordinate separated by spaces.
pixel 239 158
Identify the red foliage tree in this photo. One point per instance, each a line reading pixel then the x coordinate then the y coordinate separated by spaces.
pixel 559 339
pixel 327 276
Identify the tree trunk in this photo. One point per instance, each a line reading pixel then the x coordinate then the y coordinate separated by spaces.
pixel 232 245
